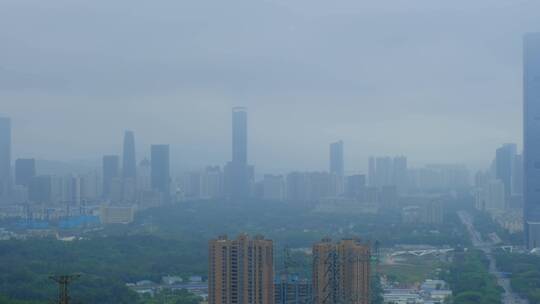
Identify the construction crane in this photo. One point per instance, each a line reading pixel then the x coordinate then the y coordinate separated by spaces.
pixel 63 282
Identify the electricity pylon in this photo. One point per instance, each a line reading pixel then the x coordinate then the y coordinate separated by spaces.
pixel 63 286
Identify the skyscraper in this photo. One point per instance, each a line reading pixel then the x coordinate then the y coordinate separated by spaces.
pixel 504 158
pixel 128 161
pixel 496 195
pixel 383 171
pixel 531 145
pixel 240 271
pixel 372 175
pixel 160 170
pixel 239 135
pixel 111 171
pixel 336 159
pixel 5 158
pixel 40 189
pixel 273 187
pixel 212 182
pixel 400 173
pixel 355 186
pixel 517 175
pixel 297 187
pixel 237 171
pixel 144 175
pixel 341 272
pixel 25 170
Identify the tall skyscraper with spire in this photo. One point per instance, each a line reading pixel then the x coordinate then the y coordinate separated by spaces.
pixel 5 158
pixel 531 145
pixel 129 163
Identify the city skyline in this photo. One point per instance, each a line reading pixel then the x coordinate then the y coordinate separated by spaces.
pixel 132 148
pixel 410 92
pixel 270 152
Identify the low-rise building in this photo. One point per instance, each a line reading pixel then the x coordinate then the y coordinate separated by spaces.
pixel 117 214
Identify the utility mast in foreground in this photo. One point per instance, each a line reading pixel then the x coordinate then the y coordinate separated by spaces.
pixel 63 286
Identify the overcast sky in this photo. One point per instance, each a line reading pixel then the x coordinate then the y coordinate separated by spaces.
pixel 437 81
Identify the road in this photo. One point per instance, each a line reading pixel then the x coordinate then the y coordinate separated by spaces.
pixel 508 297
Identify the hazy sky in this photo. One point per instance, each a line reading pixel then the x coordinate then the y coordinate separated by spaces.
pixel 438 81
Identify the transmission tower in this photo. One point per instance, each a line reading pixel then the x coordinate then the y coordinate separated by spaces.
pixel 63 286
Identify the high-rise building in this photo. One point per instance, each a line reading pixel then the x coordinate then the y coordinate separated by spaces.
pixel 531 145
pixel 318 186
pixel 239 135
pixel 57 194
pixel 72 190
pixel 383 171
pixel 144 173
pixel 388 199
pixel 504 158
pixel 240 271
pixel 212 182
pixel 25 170
pixel 372 175
pixel 297 187
pixel 341 272
pixel 192 184
pixel 399 173
pixel 129 169
pixel 41 189
pixel 496 195
pixel 336 159
pixel 440 177
pixel 89 186
pixel 355 186
pixel 237 172
pixel 517 175
pixel 273 187
pixel 160 170
pixel 5 158
pixel 337 169
pixel 111 171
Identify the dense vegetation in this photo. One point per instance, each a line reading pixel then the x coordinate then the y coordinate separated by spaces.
pixel 470 280
pixel 173 240
pixel 105 264
pixel 292 225
pixel 525 273
pixel 4 300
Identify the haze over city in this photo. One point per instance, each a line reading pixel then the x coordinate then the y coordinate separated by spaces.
pixel 438 81
pixel 269 152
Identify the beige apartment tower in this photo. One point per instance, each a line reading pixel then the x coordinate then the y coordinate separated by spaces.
pixel 341 272
pixel 240 271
